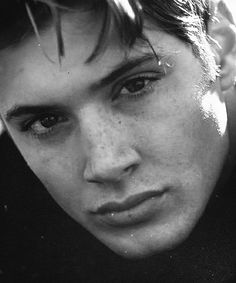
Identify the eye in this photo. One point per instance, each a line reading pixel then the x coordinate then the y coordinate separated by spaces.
pixel 45 125
pixel 137 86
pixel 134 85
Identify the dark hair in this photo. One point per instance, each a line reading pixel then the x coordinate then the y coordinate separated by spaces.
pixel 185 19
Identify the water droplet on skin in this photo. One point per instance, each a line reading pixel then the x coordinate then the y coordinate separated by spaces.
pixel 169 65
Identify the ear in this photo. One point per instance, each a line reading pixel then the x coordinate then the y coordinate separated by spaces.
pixel 222 31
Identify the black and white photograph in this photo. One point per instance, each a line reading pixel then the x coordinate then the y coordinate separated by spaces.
pixel 118 141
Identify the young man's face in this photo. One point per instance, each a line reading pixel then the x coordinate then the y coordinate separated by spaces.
pixel 129 147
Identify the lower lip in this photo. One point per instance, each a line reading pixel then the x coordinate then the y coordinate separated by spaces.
pixel 144 212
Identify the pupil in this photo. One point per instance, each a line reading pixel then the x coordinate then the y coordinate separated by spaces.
pixel 135 85
pixel 48 121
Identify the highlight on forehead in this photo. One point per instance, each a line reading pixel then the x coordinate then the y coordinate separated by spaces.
pixel 118 13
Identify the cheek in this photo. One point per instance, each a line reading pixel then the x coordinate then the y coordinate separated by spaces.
pixel 60 174
pixel 176 135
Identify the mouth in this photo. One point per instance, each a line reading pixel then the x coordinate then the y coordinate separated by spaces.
pixel 132 211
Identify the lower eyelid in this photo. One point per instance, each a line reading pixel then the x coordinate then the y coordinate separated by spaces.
pixel 52 132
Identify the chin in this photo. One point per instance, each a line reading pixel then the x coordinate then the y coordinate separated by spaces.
pixel 147 244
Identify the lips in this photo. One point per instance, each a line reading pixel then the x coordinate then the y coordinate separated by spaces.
pixel 129 203
pixel 134 210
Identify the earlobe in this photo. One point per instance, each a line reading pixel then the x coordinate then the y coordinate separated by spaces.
pixel 223 32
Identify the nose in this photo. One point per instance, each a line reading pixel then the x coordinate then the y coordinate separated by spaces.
pixel 110 167
pixel 110 156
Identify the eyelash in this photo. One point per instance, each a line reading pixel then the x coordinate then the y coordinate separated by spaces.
pixel 48 132
pixel 149 78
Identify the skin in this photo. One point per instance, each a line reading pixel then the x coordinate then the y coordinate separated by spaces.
pixel 165 133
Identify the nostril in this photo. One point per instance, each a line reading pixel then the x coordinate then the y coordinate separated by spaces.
pixel 130 168
pixel 114 175
pixel 101 170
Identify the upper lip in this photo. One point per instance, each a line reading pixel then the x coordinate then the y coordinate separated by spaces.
pixel 128 203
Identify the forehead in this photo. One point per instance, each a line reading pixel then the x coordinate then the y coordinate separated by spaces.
pixel 27 71
pixel 29 60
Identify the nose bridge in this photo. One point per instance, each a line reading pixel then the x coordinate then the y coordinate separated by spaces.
pixel 109 155
pixel 96 127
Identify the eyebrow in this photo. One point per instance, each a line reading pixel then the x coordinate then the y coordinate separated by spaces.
pixel 126 65
pixel 18 110
pixel 120 69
